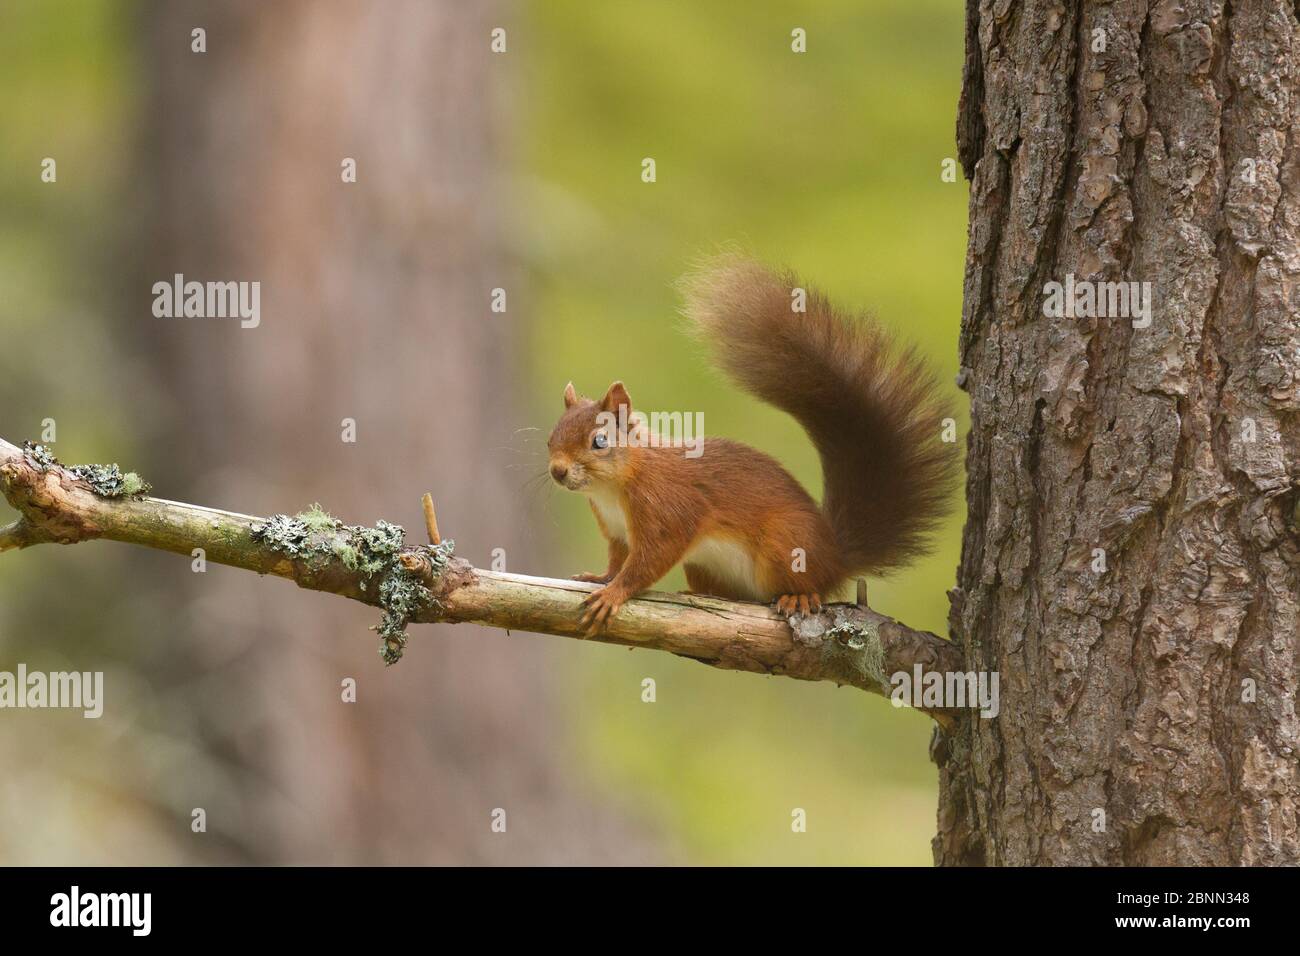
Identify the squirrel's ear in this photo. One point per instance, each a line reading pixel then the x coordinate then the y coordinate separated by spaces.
pixel 570 396
pixel 616 396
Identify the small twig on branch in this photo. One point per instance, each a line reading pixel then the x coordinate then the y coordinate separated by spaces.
pixel 16 534
pixel 430 519
pixel 845 643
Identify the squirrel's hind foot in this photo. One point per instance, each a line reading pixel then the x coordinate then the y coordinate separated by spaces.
pixel 789 604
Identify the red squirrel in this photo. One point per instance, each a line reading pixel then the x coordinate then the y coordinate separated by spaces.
pixel 741 525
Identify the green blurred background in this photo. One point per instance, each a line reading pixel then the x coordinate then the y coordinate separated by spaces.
pixel 827 161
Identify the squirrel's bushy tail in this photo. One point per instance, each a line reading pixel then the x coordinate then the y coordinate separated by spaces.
pixel 872 408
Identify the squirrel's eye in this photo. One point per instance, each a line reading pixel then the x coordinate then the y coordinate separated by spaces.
pixel 599 440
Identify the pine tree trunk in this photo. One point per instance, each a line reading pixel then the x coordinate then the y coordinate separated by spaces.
pixel 1130 563
pixel 375 309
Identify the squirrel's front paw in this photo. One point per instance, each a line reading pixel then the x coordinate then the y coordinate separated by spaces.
pixel 594 578
pixel 601 606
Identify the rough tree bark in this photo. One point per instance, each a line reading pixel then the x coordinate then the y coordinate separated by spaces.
pixel 1139 142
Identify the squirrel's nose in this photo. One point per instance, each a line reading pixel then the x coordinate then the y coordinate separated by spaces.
pixel 559 472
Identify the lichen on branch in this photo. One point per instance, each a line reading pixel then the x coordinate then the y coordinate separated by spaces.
pixel 316 537
pixel 107 481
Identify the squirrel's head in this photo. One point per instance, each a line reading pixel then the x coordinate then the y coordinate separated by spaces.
pixel 590 443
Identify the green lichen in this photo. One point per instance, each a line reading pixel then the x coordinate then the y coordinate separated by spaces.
pixel 376 548
pixel 316 537
pixel 440 555
pixel 402 595
pixel 133 484
pixel 857 646
pixel 40 456
pixel 107 481
pixel 317 518
pixel 283 534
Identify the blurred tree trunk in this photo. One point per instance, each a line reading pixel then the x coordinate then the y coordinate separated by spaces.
pixel 1147 709
pixel 375 307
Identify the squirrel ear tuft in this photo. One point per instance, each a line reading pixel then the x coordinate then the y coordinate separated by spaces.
pixel 570 396
pixel 616 396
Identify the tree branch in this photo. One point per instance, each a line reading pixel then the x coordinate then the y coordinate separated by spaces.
pixel 17 534
pixel 845 643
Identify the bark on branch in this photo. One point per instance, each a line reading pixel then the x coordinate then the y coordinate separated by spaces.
pixel 847 644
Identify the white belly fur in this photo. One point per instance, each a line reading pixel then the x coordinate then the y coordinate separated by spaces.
pixel 722 558
pixel 610 507
pixel 728 562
